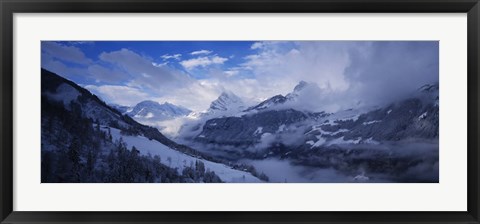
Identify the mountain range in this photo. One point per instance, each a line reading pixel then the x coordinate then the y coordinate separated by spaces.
pixel 274 128
pixel 88 140
pixel 414 117
pixel 149 109
pixel 394 142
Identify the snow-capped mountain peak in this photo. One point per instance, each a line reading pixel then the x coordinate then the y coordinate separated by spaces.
pixel 153 109
pixel 429 88
pixel 227 101
pixel 300 86
pixel 272 101
pixel 428 92
pixel 280 99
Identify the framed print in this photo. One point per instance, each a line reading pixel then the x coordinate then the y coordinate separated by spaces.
pixel 263 112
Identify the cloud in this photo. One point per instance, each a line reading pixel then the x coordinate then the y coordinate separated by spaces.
pixel 65 53
pixel 198 95
pixel 159 64
pixel 202 62
pixel 383 71
pixel 102 74
pixel 201 52
pixel 231 73
pixel 348 73
pixel 195 96
pixel 256 45
pixel 174 56
pixel 122 95
pixel 146 73
pixel 283 65
pixel 55 55
pixel 56 66
pixel 81 42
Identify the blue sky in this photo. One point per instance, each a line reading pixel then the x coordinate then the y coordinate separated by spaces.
pixel 193 73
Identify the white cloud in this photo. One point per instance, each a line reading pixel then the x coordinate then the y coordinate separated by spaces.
pixel 281 65
pixel 202 62
pixel 81 42
pixel 174 56
pixel 56 66
pixel 256 45
pixel 122 95
pixel 147 74
pixel 348 73
pixel 65 53
pixel 96 72
pixel 198 95
pixel 159 64
pixel 231 73
pixel 201 52
pixel 101 73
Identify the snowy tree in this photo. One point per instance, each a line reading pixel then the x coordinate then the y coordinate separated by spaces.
pixel 200 166
pixel 74 157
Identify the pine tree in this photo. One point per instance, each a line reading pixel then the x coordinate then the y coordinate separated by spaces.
pixel 74 157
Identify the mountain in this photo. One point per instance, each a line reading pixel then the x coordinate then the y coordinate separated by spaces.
pixel 298 89
pixel 154 111
pixel 279 100
pixel 415 117
pixel 247 129
pixel 72 96
pixel 85 140
pixel 167 117
pixel 268 103
pixel 226 103
pixel 381 141
pixel 300 86
pixel 120 108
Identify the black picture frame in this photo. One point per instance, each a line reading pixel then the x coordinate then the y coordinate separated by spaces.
pixel 9 7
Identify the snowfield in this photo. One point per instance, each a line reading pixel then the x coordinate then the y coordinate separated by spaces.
pixel 179 160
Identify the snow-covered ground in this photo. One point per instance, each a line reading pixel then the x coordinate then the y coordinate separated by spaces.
pixel 258 131
pixel 371 122
pixel 341 141
pixel 176 159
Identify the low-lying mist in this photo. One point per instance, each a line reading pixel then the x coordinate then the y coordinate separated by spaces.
pixel 413 160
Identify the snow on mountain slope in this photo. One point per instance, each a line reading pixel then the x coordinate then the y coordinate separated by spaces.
pixel 226 103
pixel 145 138
pixel 269 103
pixel 176 159
pixel 247 129
pixel 167 117
pixel 413 117
pixel 282 102
pixel 153 110
pixel 298 89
